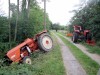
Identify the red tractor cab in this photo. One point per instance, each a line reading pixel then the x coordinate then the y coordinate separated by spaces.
pixel 77 28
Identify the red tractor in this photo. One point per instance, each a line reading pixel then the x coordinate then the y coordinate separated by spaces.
pixel 22 52
pixel 80 34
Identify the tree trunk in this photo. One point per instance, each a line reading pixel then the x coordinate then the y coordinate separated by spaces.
pixel 44 14
pixel 16 20
pixel 28 9
pixel 9 26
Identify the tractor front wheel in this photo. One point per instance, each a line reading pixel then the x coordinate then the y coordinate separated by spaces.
pixel 27 60
pixel 45 42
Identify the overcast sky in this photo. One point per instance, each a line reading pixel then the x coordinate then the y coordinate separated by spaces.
pixel 58 10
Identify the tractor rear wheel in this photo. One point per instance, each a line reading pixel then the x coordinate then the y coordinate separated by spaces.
pixel 27 60
pixel 45 42
pixel 75 37
pixel 89 37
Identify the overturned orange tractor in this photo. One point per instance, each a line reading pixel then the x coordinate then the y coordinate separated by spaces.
pixel 80 34
pixel 22 52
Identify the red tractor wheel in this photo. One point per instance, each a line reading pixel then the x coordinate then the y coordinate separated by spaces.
pixel 45 42
pixel 27 60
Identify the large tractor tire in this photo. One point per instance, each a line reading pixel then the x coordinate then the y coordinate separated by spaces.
pixel 89 36
pixel 27 60
pixel 75 37
pixel 45 42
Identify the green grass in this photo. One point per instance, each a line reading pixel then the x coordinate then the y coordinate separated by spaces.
pixel 64 34
pixel 90 66
pixel 42 64
pixel 92 49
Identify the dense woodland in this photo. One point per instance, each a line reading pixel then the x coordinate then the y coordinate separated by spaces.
pixel 88 16
pixel 24 20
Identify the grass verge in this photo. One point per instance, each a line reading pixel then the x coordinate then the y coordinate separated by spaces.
pixel 91 49
pixel 90 66
pixel 42 64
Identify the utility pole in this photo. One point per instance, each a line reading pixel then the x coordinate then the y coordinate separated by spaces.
pixel 44 14
pixel 9 26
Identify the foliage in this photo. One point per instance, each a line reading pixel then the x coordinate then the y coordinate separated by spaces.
pixel 57 26
pixel 93 49
pixel 3 29
pixel 42 64
pixel 28 26
pixel 88 16
pixel 90 66
pixel 29 22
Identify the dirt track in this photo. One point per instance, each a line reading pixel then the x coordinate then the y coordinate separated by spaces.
pixel 72 66
pixel 94 57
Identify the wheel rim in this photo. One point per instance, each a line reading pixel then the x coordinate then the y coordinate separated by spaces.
pixel 47 42
pixel 28 61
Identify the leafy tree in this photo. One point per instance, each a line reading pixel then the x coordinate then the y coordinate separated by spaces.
pixel 88 17
pixel 24 22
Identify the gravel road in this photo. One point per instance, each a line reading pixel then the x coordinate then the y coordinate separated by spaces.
pixel 72 66
pixel 94 57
